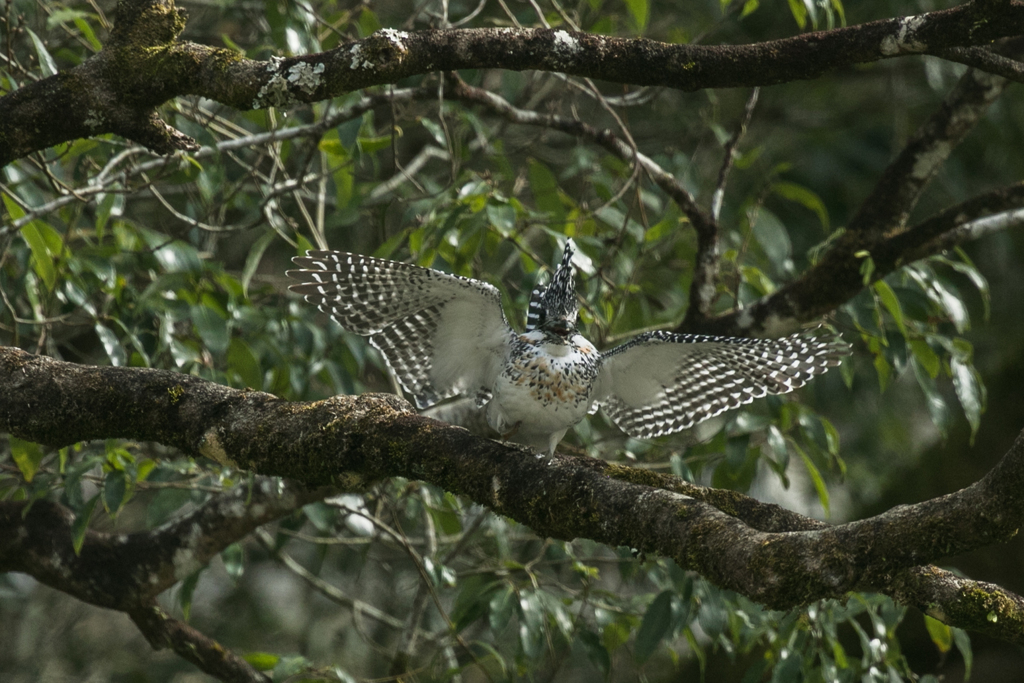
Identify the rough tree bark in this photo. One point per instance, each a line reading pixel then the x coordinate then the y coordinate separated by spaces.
pixel 143 65
pixel 776 557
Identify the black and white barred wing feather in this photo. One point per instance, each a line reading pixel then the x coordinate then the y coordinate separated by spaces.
pixel 660 383
pixel 535 311
pixel 440 334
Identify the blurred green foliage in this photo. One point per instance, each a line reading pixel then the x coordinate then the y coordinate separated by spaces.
pixel 124 258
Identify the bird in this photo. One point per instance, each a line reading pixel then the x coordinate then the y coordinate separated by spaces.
pixel 444 335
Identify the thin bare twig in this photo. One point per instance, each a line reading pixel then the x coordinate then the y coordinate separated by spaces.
pixel 730 155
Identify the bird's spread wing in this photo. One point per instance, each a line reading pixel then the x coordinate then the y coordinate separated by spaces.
pixel 440 334
pixel 660 383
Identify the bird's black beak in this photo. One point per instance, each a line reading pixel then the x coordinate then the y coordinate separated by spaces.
pixel 563 328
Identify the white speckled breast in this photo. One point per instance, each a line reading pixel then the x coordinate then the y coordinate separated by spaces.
pixel 544 389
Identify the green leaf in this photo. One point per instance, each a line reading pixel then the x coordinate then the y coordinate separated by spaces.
pixel 970 391
pixel 789 670
pixel 963 644
pixel 831 436
pixel 188 587
pixel 663 228
pixel 165 504
pixel 500 609
pixel 739 467
pixel 81 524
pixel 867 267
pixel 799 12
pixel 736 451
pixel 840 655
pixel 303 245
pixel 596 652
pixel 369 145
pixel 771 234
pixel 638 10
pixel 27 456
pixel 940 295
pixel 749 7
pixel 616 219
pixel 89 34
pixel 252 261
pixel 243 362
pixel 288 667
pixel 484 655
pixel 777 442
pixel 439 573
pixel 937 408
pixel 112 345
pixel 891 303
pixel 966 267
pixel 233 558
pixel 262 661
pixel 39 241
pixel 473 601
pixel 757 279
pixel 800 194
pixel 46 63
pixel 446 519
pixel 941 634
pixel 389 246
pixel 175 256
pixel 713 615
pixel 816 479
pixel 654 626
pixel 368 23
pixel 924 354
pixel 502 217
pixel 614 634
pixel 323 516
pixel 144 468
pixel 698 650
pixel 951 305
pixel 545 188
pixel 344 184
pixel 680 468
pixel 211 327
pixel 63 15
pixel 339 159
pixel 436 131
pixel 103 209
pixel 883 370
pixel 115 489
pixel 531 625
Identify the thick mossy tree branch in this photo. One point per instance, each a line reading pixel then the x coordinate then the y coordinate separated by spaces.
pixel 1001 58
pixel 955 600
pixel 887 208
pixel 987 213
pixel 878 229
pixel 351 441
pixel 162 631
pixel 127 571
pixel 115 91
pixel 972 605
pixel 949 227
pixel 986 60
pixel 143 65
